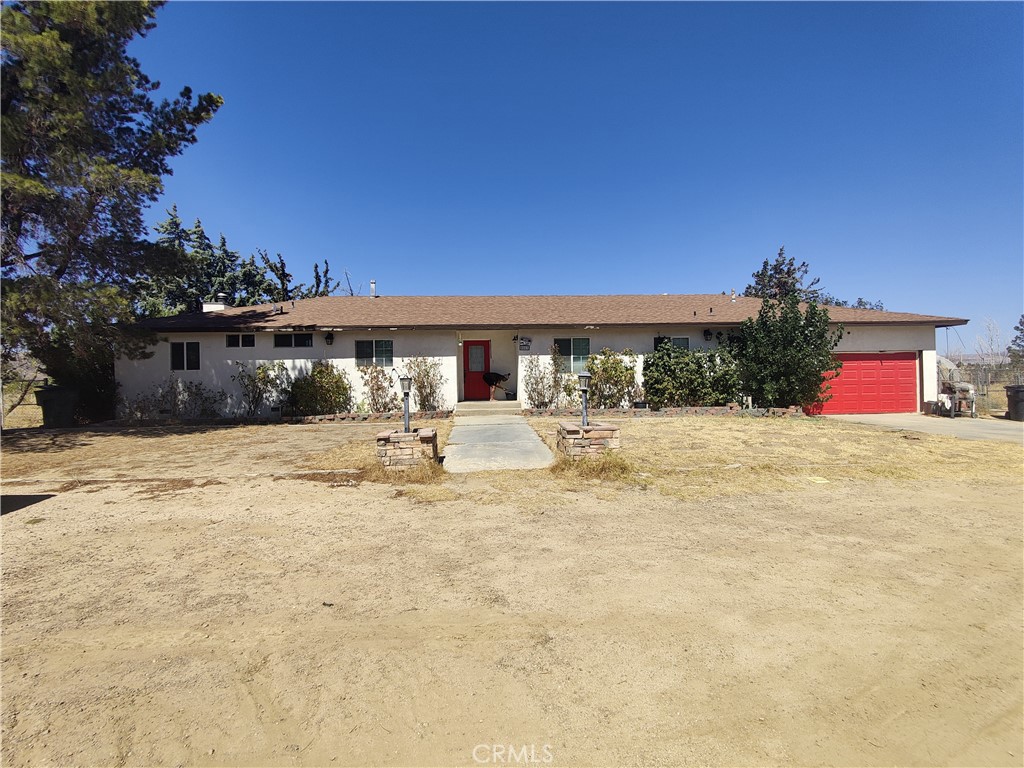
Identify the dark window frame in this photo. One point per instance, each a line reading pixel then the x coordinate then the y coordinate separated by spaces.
pixel 302 340
pixel 574 360
pixel 674 341
pixel 381 353
pixel 185 356
pixel 240 340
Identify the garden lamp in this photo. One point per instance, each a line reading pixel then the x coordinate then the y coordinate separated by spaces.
pixel 406 384
pixel 584 388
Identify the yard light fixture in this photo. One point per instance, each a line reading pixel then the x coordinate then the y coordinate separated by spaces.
pixel 329 338
pixel 406 384
pixel 584 388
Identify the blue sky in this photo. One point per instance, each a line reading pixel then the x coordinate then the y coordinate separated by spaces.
pixel 552 148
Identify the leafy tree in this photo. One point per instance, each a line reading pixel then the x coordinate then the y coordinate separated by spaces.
pixel 784 353
pixel 84 151
pixel 781 278
pixel 1016 348
pixel 675 377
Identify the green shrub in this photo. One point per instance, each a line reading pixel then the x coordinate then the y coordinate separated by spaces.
pixel 613 379
pixel 675 377
pixel 325 389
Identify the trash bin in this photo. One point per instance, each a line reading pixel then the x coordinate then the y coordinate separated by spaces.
pixel 1015 402
pixel 58 404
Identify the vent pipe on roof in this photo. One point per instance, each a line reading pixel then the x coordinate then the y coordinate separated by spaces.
pixel 733 297
pixel 373 289
pixel 219 303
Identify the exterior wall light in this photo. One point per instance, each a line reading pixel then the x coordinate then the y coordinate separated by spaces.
pixel 329 338
pixel 707 334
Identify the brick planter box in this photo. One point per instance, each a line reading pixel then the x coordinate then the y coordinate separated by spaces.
pixel 577 441
pixel 402 450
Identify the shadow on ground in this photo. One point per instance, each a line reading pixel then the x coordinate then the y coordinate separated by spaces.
pixel 32 439
pixel 13 502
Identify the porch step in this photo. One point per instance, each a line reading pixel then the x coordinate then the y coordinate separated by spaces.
pixel 488 408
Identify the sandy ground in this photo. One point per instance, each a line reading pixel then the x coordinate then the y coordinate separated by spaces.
pixel 190 597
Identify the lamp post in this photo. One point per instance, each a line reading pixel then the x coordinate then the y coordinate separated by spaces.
pixel 406 382
pixel 584 387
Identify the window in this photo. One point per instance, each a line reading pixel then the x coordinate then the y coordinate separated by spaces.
pixel 184 355
pixel 243 340
pixel 574 354
pixel 682 342
pixel 376 352
pixel 293 340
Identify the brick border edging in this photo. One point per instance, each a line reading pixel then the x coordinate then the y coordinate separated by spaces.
pixel 368 417
pixel 643 413
pixel 239 420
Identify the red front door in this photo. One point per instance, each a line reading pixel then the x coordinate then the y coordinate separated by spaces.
pixel 476 360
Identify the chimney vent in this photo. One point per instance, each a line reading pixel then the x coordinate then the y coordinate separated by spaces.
pixel 219 303
pixel 373 289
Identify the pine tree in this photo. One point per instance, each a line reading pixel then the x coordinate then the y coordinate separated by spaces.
pixel 84 151
pixel 1016 348
pixel 781 278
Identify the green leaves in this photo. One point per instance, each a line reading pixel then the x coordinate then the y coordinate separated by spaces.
pixel 613 378
pixel 784 353
pixel 675 377
pixel 325 389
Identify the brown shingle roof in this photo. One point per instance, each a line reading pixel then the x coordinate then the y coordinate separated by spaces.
pixel 481 312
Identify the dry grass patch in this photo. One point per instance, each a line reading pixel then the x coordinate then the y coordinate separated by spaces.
pixel 360 454
pixel 700 457
pixel 611 465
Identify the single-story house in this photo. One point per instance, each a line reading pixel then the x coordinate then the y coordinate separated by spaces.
pixel 888 358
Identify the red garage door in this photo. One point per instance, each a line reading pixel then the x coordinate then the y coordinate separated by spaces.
pixel 875 383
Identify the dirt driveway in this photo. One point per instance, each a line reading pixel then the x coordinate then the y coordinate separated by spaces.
pixel 745 593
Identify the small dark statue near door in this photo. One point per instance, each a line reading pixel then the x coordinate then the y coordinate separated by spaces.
pixel 495 380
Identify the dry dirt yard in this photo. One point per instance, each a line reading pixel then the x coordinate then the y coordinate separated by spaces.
pixel 730 592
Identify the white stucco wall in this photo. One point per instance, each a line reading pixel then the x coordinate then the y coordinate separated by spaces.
pixel 137 377
pixel 856 338
pixel 639 339
pixel 217 361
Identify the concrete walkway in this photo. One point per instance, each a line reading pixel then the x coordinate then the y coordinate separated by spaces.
pixel 494 441
pixel 963 427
